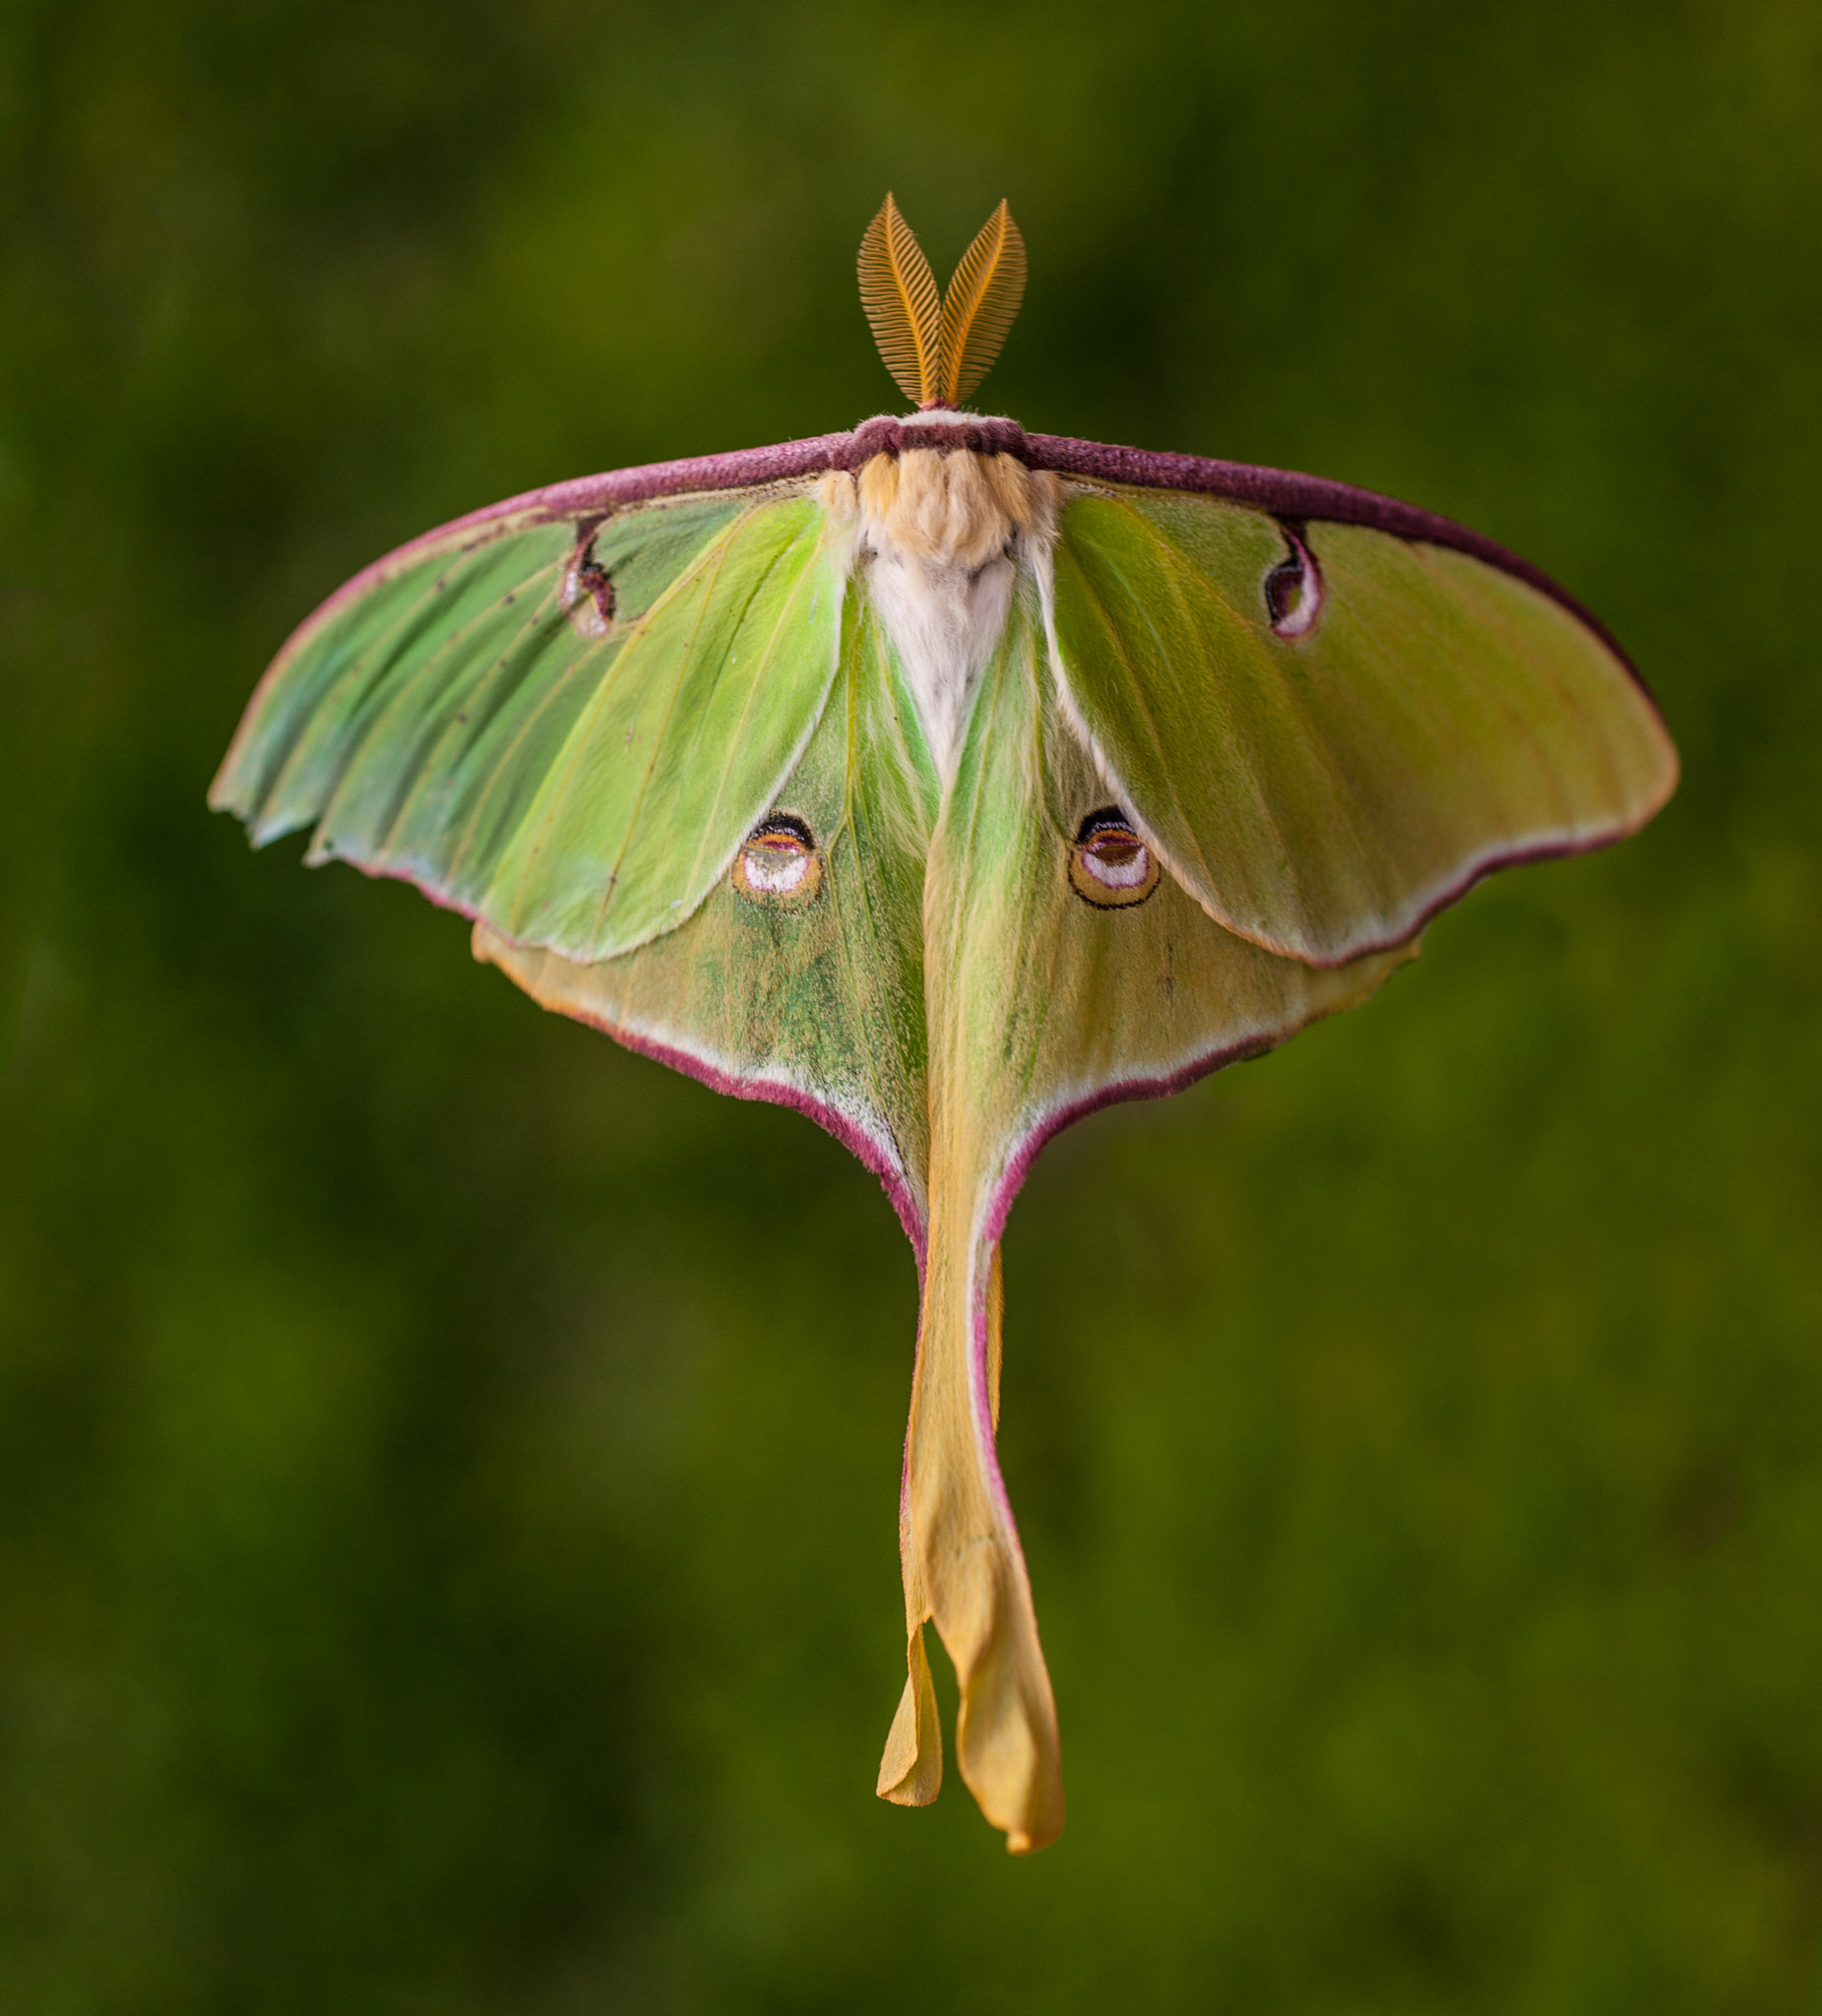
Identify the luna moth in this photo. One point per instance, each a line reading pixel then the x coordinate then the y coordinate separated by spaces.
pixel 947 782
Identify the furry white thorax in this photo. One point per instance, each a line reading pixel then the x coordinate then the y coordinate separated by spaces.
pixel 938 540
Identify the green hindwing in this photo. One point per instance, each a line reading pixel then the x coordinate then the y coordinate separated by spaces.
pixel 566 728
pixel 1323 794
pixel 811 996
pixel 1048 998
pixel 1048 992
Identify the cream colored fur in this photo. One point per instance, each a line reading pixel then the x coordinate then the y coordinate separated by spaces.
pixel 938 540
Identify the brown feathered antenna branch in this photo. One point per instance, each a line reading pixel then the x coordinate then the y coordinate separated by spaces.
pixel 979 303
pixel 939 351
pixel 897 291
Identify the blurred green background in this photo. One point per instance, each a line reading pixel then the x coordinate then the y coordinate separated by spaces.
pixel 447 1541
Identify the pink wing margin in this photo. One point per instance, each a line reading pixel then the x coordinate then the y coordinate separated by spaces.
pixel 1281 492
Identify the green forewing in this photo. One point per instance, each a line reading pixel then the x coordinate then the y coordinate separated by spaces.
pixel 1322 795
pixel 473 722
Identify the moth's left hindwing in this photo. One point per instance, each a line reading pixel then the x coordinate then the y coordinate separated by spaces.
pixel 566 728
pixel 807 986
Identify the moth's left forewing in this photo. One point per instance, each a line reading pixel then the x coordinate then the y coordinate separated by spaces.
pixel 1324 784
pixel 678 752
pixel 563 725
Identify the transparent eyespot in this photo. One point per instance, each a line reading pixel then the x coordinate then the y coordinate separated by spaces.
pixel 1109 865
pixel 779 863
pixel 587 594
pixel 1294 593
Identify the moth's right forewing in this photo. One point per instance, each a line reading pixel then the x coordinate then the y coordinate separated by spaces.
pixel 1325 793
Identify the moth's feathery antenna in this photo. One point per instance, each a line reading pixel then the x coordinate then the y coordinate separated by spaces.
pixel 897 291
pixel 979 303
pixel 940 349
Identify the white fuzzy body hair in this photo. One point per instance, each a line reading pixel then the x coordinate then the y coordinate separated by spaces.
pixel 938 544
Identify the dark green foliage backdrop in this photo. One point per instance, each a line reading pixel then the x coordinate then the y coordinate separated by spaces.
pixel 448 1466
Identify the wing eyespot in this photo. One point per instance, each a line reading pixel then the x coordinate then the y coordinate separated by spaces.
pixel 588 592
pixel 1109 866
pixel 1294 588
pixel 779 864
